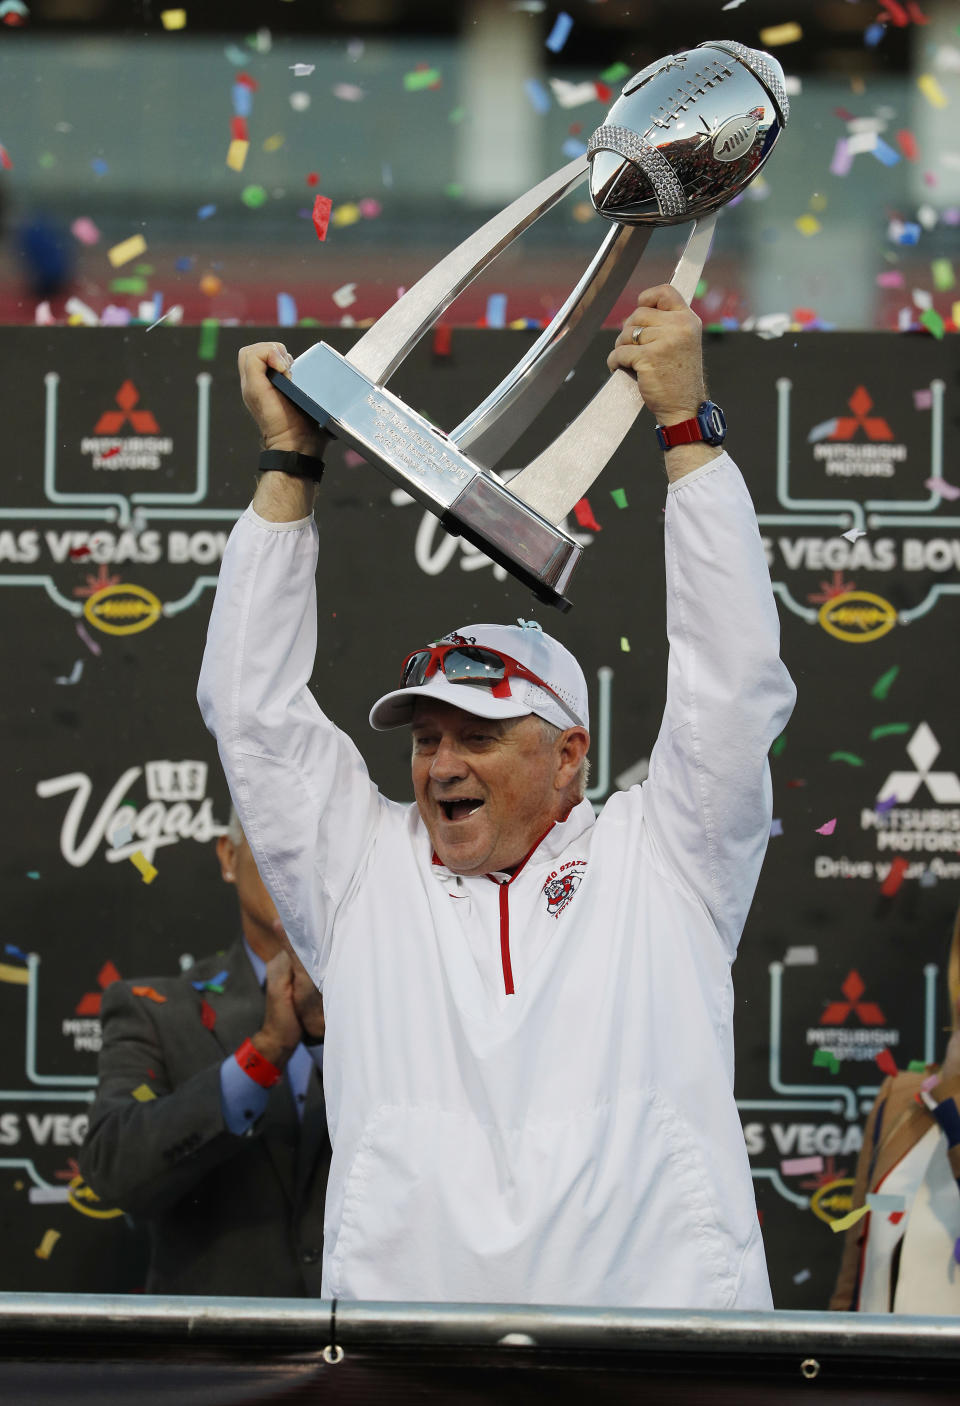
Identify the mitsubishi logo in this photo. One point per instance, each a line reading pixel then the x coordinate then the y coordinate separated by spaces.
pixel 874 426
pixel 923 749
pixel 869 1012
pixel 141 420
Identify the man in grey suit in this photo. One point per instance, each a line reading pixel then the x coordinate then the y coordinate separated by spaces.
pixel 209 1123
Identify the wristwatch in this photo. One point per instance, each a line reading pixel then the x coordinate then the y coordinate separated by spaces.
pixel 709 426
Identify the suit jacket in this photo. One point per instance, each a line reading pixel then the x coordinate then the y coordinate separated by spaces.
pixel 225 1214
pixel 895 1125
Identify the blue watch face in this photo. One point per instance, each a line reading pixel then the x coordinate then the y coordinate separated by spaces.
pixel 712 422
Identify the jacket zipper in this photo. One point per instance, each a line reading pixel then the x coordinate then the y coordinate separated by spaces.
pixel 505 912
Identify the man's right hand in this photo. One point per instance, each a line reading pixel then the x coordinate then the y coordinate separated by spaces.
pixel 281 1031
pixel 281 424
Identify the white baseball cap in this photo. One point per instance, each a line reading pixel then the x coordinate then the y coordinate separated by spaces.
pixel 524 642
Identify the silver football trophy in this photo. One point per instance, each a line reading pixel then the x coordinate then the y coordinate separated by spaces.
pixel 686 135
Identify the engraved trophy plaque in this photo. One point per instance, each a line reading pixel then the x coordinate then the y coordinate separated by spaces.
pixel 686 134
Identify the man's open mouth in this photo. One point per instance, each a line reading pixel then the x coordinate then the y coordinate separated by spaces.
pixel 461 807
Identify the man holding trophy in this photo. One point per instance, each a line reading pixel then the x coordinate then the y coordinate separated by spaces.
pixel 529 1052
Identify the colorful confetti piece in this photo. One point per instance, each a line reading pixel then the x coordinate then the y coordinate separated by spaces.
pixel 45 1249
pixel 851 1218
pixel 126 250
pixel 775 34
pixel 560 32
pixel 143 1093
pixel 892 883
pixel 826 1059
pixel 322 206
pixel 884 683
pixel 142 864
pixel 827 828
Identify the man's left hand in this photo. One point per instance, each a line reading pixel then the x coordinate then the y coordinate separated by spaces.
pixel 667 360
pixel 307 1000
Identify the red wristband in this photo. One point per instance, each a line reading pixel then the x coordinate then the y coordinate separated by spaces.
pixel 252 1062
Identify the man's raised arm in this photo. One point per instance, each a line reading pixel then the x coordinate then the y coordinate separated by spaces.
pixel 307 806
pixel 708 800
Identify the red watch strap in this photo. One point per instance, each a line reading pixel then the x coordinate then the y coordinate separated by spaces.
pixel 687 432
pixel 252 1062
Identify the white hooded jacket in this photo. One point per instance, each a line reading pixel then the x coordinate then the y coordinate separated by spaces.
pixel 529 1079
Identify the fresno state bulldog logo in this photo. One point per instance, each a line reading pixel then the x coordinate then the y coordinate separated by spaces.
pixel 560 888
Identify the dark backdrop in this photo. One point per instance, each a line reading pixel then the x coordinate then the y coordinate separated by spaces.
pixel 95 719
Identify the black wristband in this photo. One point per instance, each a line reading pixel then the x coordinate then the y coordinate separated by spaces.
pixel 288 461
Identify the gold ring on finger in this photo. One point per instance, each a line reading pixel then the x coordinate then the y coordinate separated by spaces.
pixel 636 336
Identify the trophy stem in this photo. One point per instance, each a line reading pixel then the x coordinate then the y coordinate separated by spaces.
pixel 559 477
pixel 491 430
pixel 382 349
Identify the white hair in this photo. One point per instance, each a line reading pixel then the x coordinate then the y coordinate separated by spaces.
pixel 550 733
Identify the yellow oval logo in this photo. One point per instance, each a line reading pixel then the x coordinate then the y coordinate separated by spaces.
pixel 833 1200
pixel 85 1200
pixel 123 609
pixel 857 617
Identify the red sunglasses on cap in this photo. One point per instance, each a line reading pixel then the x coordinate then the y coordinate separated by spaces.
pixel 473 664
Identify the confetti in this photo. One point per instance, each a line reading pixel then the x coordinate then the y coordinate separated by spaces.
pixel 210 285
pixel 851 1218
pixel 209 334
pixel 84 230
pixel 884 153
pixel 322 206
pixel 572 94
pixel 207 1014
pixel 885 1061
pixel 286 310
pixel 932 91
pixel 173 19
pixel 421 78
pixel 242 99
pixel 917 1066
pixel 827 828
pixel 775 34
pixel 75 675
pixel 346 296
pixel 148 992
pixel 922 400
pixel 801 957
pixel 141 863
pixel 496 311
pixel 842 158
pixel 883 806
pixel 801 1166
pixel 890 279
pixel 619 496
pixel 347 214
pixel 206 211
pixel 442 339
pixel 126 250
pixel 808 225
pixel 239 130
pixel 13 951
pixel 940 485
pixel 892 883
pixel 854 534
pixel 615 73
pixel 254 196
pixel 849 757
pixel 930 1082
pixel 624 645
pixel 538 95
pixel 299 101
pixel 933 322
pixel 14 976
pixel 348 92
pixel 776 828
pixel 237 155
pixel 301 70
pixel 885 1202
pixel 802 1275
pixel 583 512
pixel 888 730
pixel 560 32
pixel 45 1249
pixel 884 683
pixel 143 1093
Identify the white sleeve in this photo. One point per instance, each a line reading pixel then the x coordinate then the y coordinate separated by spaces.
pixel 307 805
pixel 708 799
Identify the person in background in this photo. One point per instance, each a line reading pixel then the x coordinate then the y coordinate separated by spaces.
pixel 209 1123
pixel 904 1255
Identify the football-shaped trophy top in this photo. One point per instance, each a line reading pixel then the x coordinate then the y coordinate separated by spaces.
pixel 687 134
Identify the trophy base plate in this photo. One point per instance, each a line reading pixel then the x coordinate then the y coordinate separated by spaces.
pixel 482 510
